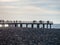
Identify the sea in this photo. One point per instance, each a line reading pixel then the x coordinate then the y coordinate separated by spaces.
pixel 57 26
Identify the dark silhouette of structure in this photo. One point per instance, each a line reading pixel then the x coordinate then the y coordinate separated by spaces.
pixel 26 23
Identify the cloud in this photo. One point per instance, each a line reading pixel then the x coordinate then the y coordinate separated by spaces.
pixel 7 7
pixel 27 10
pixel 8 0
pixel 47 4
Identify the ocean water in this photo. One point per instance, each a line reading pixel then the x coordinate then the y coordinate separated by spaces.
pixel 57 26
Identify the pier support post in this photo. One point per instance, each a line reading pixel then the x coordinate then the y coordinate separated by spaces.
pixel 32 25
pixel 47 26
pixel 15 25
pixel 3 25
pixel 37 25
pixel 21 25
pixel 50 26
pixel 11 25
pixel 43 26
pixel 26 25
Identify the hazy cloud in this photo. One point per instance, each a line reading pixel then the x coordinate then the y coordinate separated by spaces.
pixel 8 0
pixel 30 9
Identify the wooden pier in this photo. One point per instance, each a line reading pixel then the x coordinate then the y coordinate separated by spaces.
pixel 26 24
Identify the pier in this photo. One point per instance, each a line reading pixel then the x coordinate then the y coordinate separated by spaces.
pixel 26 24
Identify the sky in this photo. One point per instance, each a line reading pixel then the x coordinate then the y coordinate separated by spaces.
pixel 29 10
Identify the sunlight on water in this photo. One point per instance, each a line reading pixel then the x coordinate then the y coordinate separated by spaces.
pixel 1 25
pixel 56 26
pixel 6 25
